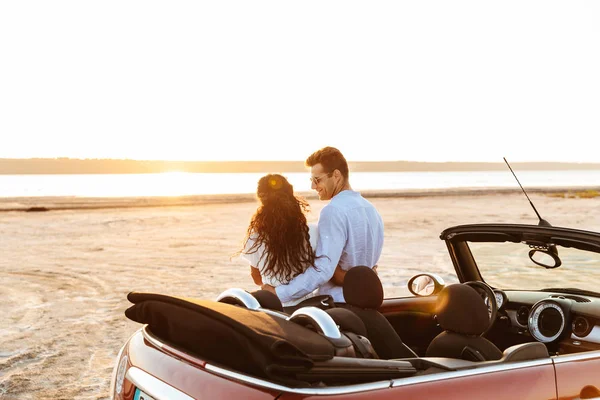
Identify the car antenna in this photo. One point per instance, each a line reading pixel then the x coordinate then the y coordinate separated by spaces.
pixel 542 222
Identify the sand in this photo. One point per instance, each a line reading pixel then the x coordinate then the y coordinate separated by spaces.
pixel 65 274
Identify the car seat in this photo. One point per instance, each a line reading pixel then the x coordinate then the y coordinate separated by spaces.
pixel 363 293
pixel 463 316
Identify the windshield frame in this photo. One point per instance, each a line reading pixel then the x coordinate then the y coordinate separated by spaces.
pixel 457 240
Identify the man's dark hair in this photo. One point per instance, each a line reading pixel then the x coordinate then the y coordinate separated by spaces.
pixel 331 159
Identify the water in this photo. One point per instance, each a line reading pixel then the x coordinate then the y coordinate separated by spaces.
pixel 181 183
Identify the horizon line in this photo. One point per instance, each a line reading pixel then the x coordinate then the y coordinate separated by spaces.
pixel 286 161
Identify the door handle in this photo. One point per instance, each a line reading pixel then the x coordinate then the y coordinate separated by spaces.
pixel 589 392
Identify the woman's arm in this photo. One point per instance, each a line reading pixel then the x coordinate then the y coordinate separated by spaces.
pixel 255 274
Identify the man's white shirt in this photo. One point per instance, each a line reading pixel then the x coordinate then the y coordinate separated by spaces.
pixel 350 234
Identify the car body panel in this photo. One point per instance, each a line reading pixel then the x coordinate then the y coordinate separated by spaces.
pixel 577 375
pixel 569 371
pixel 528 381
pixel 524 381
pixel 192 380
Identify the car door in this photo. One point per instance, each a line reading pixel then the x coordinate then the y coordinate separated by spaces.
pixel 577 375
pixel 525 380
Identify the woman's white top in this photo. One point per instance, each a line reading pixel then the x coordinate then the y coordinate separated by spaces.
pixel 257 260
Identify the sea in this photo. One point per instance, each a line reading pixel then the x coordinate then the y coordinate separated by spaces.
pixel 185 183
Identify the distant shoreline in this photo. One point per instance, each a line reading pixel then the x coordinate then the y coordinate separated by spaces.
pixel 63 203
pixel 40 166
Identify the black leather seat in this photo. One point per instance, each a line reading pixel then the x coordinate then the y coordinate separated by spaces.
pixel 268 300
pixel 364 295
pixel 464 317
pixel 348 322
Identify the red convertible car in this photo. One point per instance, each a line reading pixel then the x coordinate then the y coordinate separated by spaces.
pixel 523 323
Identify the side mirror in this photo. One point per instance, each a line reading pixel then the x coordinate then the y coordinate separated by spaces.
pixel 425 284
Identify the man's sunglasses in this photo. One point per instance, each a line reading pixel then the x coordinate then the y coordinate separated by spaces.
pixel 317 179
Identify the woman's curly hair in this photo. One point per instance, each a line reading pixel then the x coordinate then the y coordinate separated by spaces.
pixel 279 223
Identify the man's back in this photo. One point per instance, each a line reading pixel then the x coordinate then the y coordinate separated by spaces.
pixel 362 235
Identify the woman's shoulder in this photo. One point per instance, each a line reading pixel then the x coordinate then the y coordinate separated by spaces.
pixel 253 251
pixel 250 242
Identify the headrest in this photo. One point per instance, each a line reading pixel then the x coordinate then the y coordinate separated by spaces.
pixel 362 288
pixel 347 321
pixel 268 300
pixel 460 309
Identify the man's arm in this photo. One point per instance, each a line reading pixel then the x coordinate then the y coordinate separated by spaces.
pixel 330 245
pixel 338 276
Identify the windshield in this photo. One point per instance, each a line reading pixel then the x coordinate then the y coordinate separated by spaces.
pixel 507 266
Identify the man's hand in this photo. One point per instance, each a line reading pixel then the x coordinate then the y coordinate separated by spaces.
pixel 268 288
pixel 338 276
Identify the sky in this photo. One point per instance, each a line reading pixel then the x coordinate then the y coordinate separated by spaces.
pixel 276 80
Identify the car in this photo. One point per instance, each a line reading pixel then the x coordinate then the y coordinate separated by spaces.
pixel 522 323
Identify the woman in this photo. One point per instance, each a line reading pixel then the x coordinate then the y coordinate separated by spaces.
pixel 279 244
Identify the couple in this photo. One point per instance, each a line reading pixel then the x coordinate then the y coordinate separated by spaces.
pixel 292 258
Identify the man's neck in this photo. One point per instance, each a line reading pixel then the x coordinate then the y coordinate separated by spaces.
pixel 344 186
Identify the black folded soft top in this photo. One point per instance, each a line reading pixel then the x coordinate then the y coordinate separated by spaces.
pixel 247 341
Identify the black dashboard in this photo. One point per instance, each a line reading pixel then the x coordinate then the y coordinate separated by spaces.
pixel 566 323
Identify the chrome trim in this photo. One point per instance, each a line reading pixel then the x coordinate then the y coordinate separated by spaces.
pixel 533 321
pixel 593 336
pixel 323 321
pixel 332 390
pixel 246 298
pixel 150 337
pixel 274 313
pixel 587 355
pixel 477 370
pixel 153 386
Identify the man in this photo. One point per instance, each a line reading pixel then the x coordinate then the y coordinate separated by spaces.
pixel 350 229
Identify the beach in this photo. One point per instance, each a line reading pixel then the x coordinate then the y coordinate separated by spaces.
pixel 65 273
